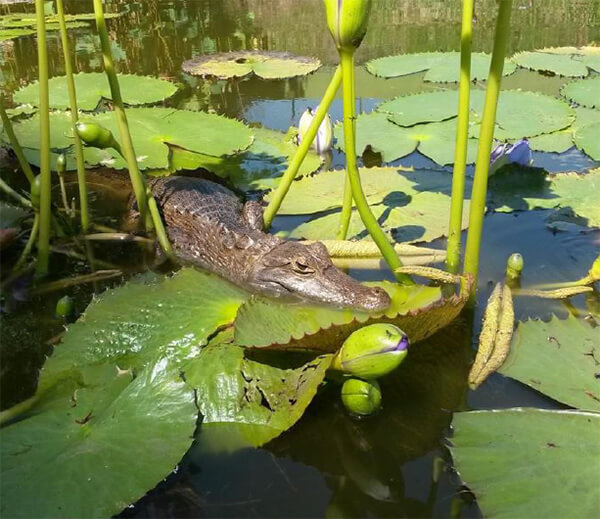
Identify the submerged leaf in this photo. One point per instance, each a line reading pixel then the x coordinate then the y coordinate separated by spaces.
pixel 265 64
pixel 529 462
pixel 559 359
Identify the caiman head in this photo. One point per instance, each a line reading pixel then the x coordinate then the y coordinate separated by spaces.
pixel 292 269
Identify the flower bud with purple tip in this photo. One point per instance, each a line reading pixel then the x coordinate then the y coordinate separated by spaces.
pixel 373 351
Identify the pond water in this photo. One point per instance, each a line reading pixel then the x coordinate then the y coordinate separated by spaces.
pixel 394 464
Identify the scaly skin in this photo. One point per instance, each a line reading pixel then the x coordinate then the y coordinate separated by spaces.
pixel 210 228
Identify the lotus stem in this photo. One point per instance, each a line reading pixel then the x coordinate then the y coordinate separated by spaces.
pixel 367 217
pixel 292 170
pixel 99 275
pixel 18 409
pixel 146 204
pixel 45 179
pixel 13 194
pixel 14 143
pixel 83 195
pixel 462 139
pixel 29 244
pixel 486 135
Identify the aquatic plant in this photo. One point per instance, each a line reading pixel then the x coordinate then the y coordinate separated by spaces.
pixel 361 397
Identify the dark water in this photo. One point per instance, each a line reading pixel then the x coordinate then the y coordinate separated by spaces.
pixel 394 464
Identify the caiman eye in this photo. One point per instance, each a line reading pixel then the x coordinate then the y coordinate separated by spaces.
pixel 300 267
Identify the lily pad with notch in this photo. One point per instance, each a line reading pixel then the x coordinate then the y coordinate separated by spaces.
pixel 585 92
pixel 551 63
pixel 240 64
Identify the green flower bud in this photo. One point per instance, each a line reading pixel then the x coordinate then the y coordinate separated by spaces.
pixel 36 188
pixel 61 163
pixel 65 307
pixel 514 266
pixel 94 135
pixel 347 21
pixel 361 397
pixel 372 351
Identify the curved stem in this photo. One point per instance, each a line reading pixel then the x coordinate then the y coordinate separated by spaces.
pixel 14 143
pixel 13 194
pixel 292 169
pixel 462 138
pixel 486 136
pixel 29 244
pixel 83 195
pixel 45 180
pixel 16 410
pixel 370 222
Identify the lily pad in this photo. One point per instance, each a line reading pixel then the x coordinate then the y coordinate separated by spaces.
pixel 556 64
pixel 258 168
pixel 266 65
pixel 587 139
pixel 92 87
pixel 418 310
pixel 585 92
pixel 441 66
pixel 423 107
pixel 538 347
pixel 9 34
pixel 240 397
pixel 74 458
pixel 529 462
pixel 557 142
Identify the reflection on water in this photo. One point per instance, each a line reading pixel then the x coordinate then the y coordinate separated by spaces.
pixel 329 464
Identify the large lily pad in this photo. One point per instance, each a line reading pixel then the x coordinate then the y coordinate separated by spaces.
pixel 258 168
pixel 9 34
pixel 557 64
pixel 99 448
pixel 240 397
pixel 587 139
pixel 265 64
pixel 539 347
pixel 441 66
pixel 423 107
pixel 419 310
pixel 92 87
pixel 530 462
pixel 556 142
pixel 585 92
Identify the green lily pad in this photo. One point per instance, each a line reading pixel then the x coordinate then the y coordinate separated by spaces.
pixel 240 397
pixel 423 107
pixel 558 64
pixel 557 142
pixel 585 92
pixel 418 310
pixel 24 20
pixel 265 64
pixel 92 87
pixel 592 61
pixel 587 139
pixel 538 347
pixel 529 462
pixel 441 66
pixel 75 456
pixel 258 168
pixel 9 34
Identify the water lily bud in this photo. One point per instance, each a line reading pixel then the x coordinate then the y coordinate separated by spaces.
pixel 347 21
pixel 65 307
pixel 61 163
pixel 514 266
pixel 372 351
pixel 361 397
pixel 36 187
pixel 324 139
pixel 517 153
pixel 94 135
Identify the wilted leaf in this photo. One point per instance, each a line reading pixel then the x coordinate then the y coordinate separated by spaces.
pixel 529 462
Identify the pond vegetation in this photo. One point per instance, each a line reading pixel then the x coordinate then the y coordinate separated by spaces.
pixel 134 386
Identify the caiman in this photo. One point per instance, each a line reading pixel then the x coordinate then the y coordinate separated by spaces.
pixel 209 227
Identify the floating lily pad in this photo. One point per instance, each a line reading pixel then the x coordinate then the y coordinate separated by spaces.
pixel 441 66
pixel 9 34
pixel 585 92
pixel 265 64
pixel 92 87
pixel 557 142
pixel 258 168
pixel 423 107
pixel 418 310
pixel 592 61
pixel 587 139
pixel 538 347
pixel 557 64
pixel 238 396
pixel 529 462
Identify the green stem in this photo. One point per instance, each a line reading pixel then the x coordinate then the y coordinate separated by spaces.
pixel 369 221
pixel 63 194
pixel 292 169
pixel 16 410
pixel 13 194
pixel 14 143
pixel 44 110
pixel 146 204
pixel 462 137
pixel 83 195
pixel 29 244
pixel 486 135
